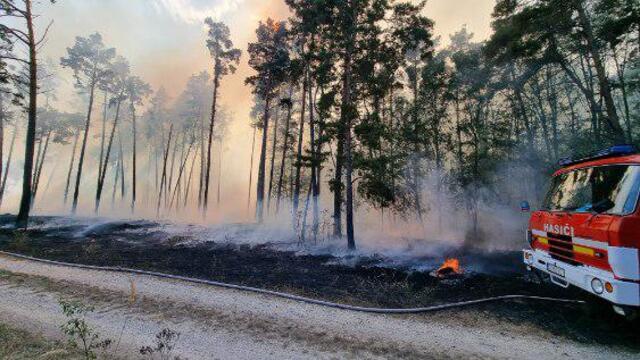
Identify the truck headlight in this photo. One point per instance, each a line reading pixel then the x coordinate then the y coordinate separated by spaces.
pixel 597 286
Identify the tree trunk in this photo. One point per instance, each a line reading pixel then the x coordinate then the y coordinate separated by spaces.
pixel 83 148
pixel 2 116
pixel 190 179
pixel 263 161
pixel 625 98
pixel 115 183
pixel 253 148
pixel 605 87
pixel 415 160
pixel 285 148
pixel 103 133
pixel 38 173
pixel 164 170
pixel 169 184
pixel 105 162
pixel 122 173
pixel 180 172
pixel 202 163
pixel 133 159
pixel 296 189
pixel 25 202
pixel 5 175
pixel 315 189
pixel 219 174
pixel 348 114
pixel 73 158
pixel 274 147
pixel 216 84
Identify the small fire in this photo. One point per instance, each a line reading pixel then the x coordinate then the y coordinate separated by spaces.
pixel 450 267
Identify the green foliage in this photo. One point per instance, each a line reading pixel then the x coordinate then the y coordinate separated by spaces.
pixel 90 61
pixel 79 332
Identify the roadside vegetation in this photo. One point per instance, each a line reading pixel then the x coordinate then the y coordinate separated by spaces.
pixel 17 344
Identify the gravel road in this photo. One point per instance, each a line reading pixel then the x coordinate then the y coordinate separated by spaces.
pixel 219 323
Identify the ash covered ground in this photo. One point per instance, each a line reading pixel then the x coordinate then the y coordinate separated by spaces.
pixel 269 258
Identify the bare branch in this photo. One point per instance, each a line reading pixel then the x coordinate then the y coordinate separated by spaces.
pixel 7 57
pixel 46 32
pixel 21 35
pixel 11 7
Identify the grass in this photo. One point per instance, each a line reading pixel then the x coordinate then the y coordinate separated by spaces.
pixel 18 344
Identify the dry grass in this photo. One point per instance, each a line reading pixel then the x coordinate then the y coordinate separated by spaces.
pixel 17 345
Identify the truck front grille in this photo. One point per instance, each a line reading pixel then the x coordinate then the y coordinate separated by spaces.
pixel 561 248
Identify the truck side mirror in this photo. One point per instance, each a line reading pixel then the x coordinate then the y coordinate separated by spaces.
pixel 525 206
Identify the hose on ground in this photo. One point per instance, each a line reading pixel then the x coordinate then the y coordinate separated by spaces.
pixel 291 296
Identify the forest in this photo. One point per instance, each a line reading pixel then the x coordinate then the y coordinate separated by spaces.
pixel 358 107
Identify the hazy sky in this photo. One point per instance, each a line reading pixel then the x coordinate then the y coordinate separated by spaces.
pixel 164 40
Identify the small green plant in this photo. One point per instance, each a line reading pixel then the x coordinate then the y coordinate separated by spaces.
pixel 78 331
pixel 163 348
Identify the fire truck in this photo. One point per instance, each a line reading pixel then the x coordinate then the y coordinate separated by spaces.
pixel 587 232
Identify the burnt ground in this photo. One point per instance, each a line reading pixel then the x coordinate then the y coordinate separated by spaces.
pixel 365 281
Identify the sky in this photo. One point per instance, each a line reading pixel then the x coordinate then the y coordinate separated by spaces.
pixel 164 40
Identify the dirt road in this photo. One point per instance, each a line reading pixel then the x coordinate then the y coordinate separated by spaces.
pixel 223 323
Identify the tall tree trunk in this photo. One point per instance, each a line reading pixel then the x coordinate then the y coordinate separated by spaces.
pixel 73 158
pixel 415 160
pixel 2 126
pixel 123 191
pixel 603 80
pixel 164 170
pixel 220 153
pixel 274 147
pixel 38 173
pixel 202 163
pixel 216 84
pixel 263 162
pixel 625 98
pixel 176 188
pixel 115 182
pixel 314 165
pixel 190 179
pixel 348 114
pixel 105 162
pixel 285 148
pixel 25 202
pixel 253 148
pixel 5 174
pixel 169 184
pixel 83 148
pixel 296 189
pixel 103 133
pixel 133 159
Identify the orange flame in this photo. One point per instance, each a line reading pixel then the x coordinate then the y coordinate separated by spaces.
pixel 450 266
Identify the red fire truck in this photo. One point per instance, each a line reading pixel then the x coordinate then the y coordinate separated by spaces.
pixel 587 233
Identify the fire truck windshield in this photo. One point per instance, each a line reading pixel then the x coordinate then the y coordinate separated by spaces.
pixel 607 189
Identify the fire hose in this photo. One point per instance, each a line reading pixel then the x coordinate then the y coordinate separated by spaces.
pixel 292 296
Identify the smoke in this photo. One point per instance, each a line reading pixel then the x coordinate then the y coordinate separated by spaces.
pixel 165 53
pixel 195 11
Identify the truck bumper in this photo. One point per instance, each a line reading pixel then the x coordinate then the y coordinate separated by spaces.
pixel 625 293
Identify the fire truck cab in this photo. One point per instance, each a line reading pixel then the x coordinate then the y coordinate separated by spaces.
pixel 587 233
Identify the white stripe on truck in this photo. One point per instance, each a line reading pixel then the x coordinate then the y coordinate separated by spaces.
pixel 624 262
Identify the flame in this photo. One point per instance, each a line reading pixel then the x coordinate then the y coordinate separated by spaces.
pixel 450 266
